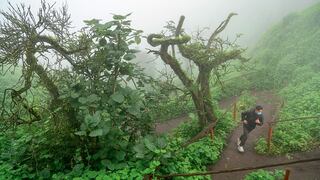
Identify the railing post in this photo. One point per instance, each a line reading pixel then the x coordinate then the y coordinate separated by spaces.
pixel 287 174
pixel 148 177
pixel 234 114
pixel 269 137
pixel 211 133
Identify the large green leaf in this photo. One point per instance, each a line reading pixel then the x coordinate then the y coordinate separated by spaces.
pixel 134 110
pixel 133 51
pixel 126 91
pixel 107 25
pixel 88 119
pixel 129 56
pixel 149 144
pixel 95 120
pixel 139 148
pixel 75 94
pixel 82 100
pixel 161 142
pixel 117 97
pixel 140 155
pixel 119 17
pixel 91 22
pixel 95 133
pixel 107 163
pixel 121 166
pixel 137 39
pixel 120 155
pixel 80 133
pixel 92 174
pixel 106 128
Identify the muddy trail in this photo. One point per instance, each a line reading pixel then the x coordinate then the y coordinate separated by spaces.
pixel 169 125
pixel 231 158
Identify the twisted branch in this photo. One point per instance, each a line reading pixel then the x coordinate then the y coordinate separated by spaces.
pixel 220 28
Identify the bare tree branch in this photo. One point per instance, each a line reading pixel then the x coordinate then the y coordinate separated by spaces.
pixel 220 28
pixel 56 46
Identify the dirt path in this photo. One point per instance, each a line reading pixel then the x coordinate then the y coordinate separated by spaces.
pixel 231 158
pixel 168 126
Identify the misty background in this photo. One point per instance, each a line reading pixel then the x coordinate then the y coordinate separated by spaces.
pixel 254 16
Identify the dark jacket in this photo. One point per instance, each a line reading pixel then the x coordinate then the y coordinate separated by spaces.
pixel 251 117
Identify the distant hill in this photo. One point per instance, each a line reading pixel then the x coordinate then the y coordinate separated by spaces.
pixel 291 48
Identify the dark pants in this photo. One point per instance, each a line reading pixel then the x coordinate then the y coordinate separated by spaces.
pixel 244 136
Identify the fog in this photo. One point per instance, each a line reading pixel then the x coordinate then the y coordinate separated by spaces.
pixel 253 19
pixel 254 16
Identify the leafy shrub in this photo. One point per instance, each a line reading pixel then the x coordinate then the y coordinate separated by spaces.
pixel 301 100
pixel 246 101
pixel 168 107
pixel 188 129
pixel 287 59
pixel 164 155
pixel 198 155
pixel 265 175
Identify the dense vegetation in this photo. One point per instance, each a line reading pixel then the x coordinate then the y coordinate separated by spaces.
pixel 94 117
pixel 82 109
pixel 289 60
pixel 267 175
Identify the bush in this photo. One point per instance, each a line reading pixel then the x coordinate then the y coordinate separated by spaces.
pixel 301 100
pixel 198 155
pixel 265 175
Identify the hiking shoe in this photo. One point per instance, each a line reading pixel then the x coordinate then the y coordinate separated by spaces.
pixel 238 141
pixel 240 149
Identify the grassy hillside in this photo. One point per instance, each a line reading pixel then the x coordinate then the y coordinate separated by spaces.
pixel 291 49
pixel 288 59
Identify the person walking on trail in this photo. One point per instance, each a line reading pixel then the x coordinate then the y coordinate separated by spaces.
pixel 250 119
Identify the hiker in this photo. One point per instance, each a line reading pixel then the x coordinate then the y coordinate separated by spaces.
pixel 250 119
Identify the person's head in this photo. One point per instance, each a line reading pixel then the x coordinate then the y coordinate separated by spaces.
pixel 259 109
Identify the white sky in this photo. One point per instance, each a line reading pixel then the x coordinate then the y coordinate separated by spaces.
pixel 255 16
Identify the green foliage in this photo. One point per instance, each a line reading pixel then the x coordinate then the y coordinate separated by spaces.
pixel 99 116
pixel 7 171
pixel 99 125
pixel 110 114
pixel 261 146
pixel 166 100
pixel 234 87
pixel 301 100
pixel 287 47
pixel 151 152
pixel 134 171
pixel 287 59
pixel 188 129
pixel 164 107
pixel 198 155
pixel 246 101
pixel 288 52
pixel 265 175
pixel 163 155
pixel 8 80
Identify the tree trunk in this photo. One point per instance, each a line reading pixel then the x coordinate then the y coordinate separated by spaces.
pixel 204 78
pixel 199 104
pixel 200 92
pixel 51 88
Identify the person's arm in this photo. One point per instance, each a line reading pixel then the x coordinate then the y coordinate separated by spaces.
pixel 244 116
pixel 261 119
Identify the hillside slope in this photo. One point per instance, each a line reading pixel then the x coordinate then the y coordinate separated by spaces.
pixel 291 48
pixel 287 58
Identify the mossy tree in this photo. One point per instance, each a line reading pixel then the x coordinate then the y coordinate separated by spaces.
pixel 88 107
pixel 208 55
pixel 28 40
